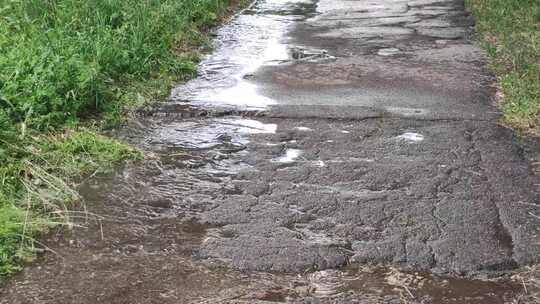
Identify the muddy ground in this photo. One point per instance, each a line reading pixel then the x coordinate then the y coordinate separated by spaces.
pixel 330 151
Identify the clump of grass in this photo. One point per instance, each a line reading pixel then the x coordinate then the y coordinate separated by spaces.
pixel 38 180
pixel 511 31
pixel 66 59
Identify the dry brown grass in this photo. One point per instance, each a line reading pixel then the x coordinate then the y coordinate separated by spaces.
pixel 530 279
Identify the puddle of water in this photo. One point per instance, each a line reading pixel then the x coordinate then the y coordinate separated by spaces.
pixel 406 111
pixel 243 46
pixel 250 126
pixel 411 136
pixel 319 163
pixel 243 93
pixel 303 129
pixel 437 289
pixel 410 287
pixel 375 285
pixel 290 156
pixel 326 283
pixel 388 52
pixel 195 134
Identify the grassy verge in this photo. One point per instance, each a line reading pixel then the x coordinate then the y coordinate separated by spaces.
pixel 63 63
pixel 38 175
pixel 511 32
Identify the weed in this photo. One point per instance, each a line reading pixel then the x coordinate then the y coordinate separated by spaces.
pixel 67 59
pixel 511 30
pixel 38 185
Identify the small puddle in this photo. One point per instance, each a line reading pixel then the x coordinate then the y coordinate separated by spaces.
pixel 319 163
pixel 250 126
pixel 418 286
pixel 197 134
pixel 370 286
pixel 290 156
pixel 388 52
pixel 411 137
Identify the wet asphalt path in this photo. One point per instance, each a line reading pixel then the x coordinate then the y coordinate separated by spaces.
pixel 329 152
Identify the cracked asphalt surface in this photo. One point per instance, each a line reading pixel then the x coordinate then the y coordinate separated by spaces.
pixel 334 151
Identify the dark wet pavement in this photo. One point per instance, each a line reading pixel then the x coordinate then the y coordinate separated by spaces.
pixel 329 152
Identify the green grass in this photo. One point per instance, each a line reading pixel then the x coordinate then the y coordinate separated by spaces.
pixel 511 34
pixel 38 175
pixel 66 59
pixel 69 63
